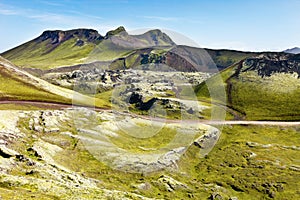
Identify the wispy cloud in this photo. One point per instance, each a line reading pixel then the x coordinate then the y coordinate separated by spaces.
pixel 174 19
pixel 70 18
pixel 47 17
pixel 162 18
pixel 51 3
pixel 85 15
pixel 7 12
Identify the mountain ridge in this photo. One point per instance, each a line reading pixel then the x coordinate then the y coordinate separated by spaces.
pixel 295 50
pixel 71 47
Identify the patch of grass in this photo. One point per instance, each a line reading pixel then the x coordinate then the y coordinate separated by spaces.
pixel 226 58
pixel 269 98
pixel 12 88
pixel 36 55
pixel 11 106
pixel 232 164
pixel 137 144
pixel 232 168
pixel 214 89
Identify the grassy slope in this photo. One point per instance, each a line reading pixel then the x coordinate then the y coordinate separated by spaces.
pixel 16 89
pixel 41 55
pixel 213 85
pixel 18 85
pixel 226 58
pixel 273 98
pixel 270 98
pixel 229 164
pixel 35 55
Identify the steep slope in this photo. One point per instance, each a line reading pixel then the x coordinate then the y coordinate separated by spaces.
pixel 224 58
pixel 182 58
pixel 20 85
pixel 55 49
pixel 265 87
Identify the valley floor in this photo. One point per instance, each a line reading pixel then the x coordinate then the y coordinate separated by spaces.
pixel 62 152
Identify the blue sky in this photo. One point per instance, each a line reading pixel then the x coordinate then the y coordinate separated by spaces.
pixel 254 25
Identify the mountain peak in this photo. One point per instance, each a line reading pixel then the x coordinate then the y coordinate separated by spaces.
pixel 158 37
pixel 294 50
pixel 118 30
pixel 58 36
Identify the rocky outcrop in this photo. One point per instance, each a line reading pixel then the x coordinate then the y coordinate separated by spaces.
pixel 59 36
pixel 170 184
pixel 270 63
pixel 119 30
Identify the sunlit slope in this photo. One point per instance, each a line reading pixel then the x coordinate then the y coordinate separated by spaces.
pixel 19 85
pixel 266 87
pixel 57 48
pixel 53 49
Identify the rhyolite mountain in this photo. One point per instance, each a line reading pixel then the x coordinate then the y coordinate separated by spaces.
pixel 55 49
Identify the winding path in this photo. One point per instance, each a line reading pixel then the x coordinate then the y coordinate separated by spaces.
pixel 210 122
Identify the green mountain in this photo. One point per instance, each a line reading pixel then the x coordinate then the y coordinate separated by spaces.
pixel 16 84
pixel 264 87
pixel 53 49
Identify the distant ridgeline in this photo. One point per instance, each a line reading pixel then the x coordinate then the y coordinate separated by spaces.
pixel 55 49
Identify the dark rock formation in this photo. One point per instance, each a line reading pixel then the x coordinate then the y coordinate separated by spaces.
pixel 58 36
pixel 270 63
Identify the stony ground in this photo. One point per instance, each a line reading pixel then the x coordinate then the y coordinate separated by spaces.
pixel 33 147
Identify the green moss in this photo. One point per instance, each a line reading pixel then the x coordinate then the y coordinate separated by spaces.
pixel 37 55
pixel 266 98
pixel 13 88
pixel 230 165
pixel 19 107
pixel 138 144
pixel 228 169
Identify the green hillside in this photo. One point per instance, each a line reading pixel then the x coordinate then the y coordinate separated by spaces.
pixel 266 87
pixel 224 58
pixel 14 87
pixel 53 49
pixel 36 57
pixel 16 84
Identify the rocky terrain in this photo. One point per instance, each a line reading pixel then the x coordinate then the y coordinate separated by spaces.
pixel 269 64
pixel 87 154
pixel 137 88
pixel 34 143
pixel 121 116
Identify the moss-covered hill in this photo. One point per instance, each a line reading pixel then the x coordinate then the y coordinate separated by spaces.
pixel 265 87
pixel 57 48
pixel 54 49
pixel 16 84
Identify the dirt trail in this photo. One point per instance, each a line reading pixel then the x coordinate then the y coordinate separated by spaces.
pixel 210 122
